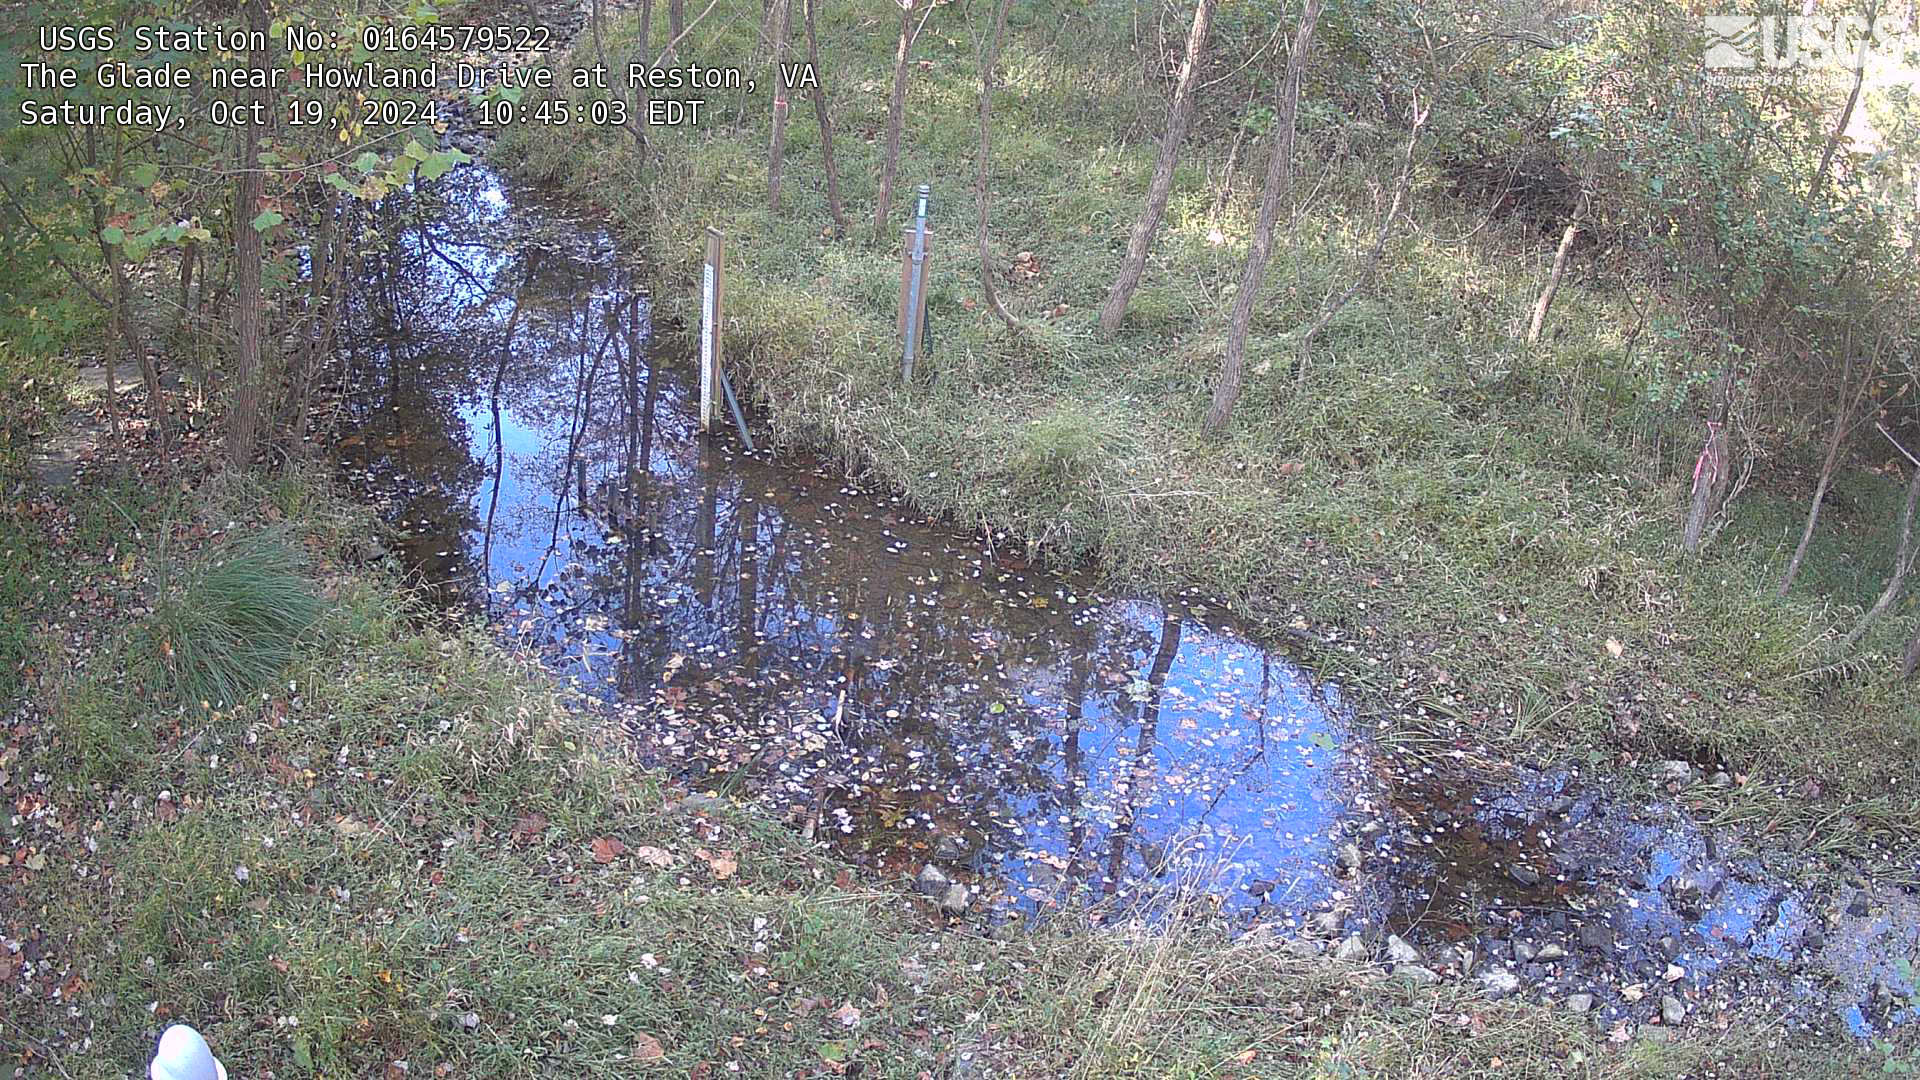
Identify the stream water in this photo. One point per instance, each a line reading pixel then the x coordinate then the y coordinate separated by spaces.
pixel 916 695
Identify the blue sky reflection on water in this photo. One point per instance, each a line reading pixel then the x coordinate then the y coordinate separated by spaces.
pixel 891 684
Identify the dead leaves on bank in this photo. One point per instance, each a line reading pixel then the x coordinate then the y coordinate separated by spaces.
pixel 721 864
pixel 607 848
pixel 529 828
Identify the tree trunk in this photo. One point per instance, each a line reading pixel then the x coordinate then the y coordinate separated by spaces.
pixel 125 333
pixel 643 52
pixel 676 18
pixel 1833 138
pixel 1371 264
pixel 185 305
pixel 131 343
pixel 1912 659
pixel 1710 468
pixel 991 57
pixel 596 20
pixel 820 110
pixel 1226 393
pixel 243 422
pixel 1843 411
pixel 1902 565
pixel 330 306
pixel 1179 114
pixel 1813 512
pixel 896 116
pixel 782 20
pixel 1140 773
pixel 1553 279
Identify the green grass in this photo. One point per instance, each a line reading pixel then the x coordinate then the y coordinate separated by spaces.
pixel 400 855
pixel 228 626
pixel 1457 519
pixel 22 593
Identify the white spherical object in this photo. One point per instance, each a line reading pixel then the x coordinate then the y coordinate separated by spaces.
pixel 184 1055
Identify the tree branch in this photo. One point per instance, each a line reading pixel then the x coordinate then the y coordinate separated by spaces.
pixel 52 250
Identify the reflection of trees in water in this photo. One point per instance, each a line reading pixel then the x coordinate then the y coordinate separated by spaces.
pixel 632 540
pixel 840 634
pixel 783 619
pixel 1139 779
pixel 407 377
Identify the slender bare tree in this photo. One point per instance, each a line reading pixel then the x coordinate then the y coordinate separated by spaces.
pixel 1904 553
pixel 243 422
pixel 821 111
pixel 990 56
pixel 1179 114
pixel 1856 376
pixel 1226 392
pixel 897 107
pixel 781 20
pixel 126 331
pixel 1559 271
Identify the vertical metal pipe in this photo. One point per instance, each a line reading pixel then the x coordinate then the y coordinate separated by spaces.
pixel 916 281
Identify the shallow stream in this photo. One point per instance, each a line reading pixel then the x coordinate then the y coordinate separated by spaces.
pixel 916 695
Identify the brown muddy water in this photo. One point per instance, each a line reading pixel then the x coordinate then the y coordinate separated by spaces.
pixel 915 695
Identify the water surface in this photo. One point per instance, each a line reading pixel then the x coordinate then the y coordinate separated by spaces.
pixel 904 689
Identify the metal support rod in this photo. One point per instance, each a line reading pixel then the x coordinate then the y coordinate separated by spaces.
pixel 739 418
pixel 916 281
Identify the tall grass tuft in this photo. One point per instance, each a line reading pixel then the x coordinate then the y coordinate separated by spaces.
pixel 1056 450
pixel 230 623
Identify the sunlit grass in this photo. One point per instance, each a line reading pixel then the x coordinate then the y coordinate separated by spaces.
pixel 226 626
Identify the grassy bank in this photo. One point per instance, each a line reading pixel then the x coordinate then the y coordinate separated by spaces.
pixel 1482 534
pixel 406 854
